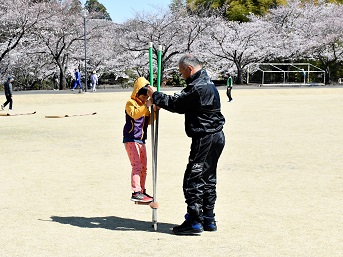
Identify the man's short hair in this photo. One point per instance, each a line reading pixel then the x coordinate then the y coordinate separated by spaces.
pixel 189 60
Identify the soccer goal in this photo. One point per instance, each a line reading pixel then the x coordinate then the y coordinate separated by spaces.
pixel 285 74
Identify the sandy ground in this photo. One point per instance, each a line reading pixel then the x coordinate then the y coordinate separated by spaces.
pixel 65 183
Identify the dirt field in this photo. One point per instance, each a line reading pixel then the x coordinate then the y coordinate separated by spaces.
pixel 65 183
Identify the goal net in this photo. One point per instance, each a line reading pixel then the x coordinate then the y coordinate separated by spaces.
pixel 285 74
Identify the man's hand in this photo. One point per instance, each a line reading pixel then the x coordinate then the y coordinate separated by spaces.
pixel 156 108
pixel 148 103
pixel 151 90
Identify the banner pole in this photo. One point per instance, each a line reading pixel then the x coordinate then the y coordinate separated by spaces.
pixel 153 142
pixel 159 67
pixel 155 146
pixel 151 75
pixel 151 68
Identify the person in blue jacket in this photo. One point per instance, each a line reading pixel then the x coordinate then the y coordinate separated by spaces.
pixel 77 81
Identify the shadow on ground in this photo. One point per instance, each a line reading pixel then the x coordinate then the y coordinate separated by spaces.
pixel 113 223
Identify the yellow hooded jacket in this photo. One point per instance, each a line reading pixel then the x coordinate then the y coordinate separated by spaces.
pixel 137 115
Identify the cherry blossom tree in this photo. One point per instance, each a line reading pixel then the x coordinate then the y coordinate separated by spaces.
pixel 40 38
pixel 325 37
pixel 18 18
pixel 297 31
pixel 228 43
pixel 32 70
pixel 102 47
pixel 175 31
pixel 60 37
pixel 308 31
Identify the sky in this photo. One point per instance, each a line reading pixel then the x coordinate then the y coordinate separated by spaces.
pixel 121 10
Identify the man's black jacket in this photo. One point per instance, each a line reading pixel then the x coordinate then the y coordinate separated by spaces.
pixel 199 101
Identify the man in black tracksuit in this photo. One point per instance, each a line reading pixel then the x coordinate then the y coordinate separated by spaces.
pixel 200 103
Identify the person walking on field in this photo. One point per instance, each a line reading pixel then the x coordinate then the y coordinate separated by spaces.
pixel 8 93
pixel 138 118
pixel 77 81
pixel 229 88
pixel 200 103
pixel 94 81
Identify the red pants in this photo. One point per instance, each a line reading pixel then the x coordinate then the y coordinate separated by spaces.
pixel 138 159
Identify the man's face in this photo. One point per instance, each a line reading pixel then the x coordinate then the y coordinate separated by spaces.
pixel 186 72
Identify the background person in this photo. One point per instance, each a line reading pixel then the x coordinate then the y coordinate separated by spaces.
pixel 229 87
pixel 77 81
pixel 94 81
pixel 55 81
pixel 8 93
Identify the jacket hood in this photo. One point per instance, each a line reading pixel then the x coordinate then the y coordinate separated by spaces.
pixel 139 83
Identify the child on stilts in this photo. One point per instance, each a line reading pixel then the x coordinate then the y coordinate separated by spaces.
pixel 134 135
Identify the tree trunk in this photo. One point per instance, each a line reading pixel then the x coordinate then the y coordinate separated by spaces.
pixel 63 80
pixel 239 74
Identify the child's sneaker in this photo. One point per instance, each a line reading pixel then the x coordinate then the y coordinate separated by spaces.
pixel 145 193
pixel 2 107
pixel 139 197
pixel 209 224
pixel 188 227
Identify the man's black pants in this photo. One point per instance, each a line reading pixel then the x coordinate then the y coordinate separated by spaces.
pixel 8 101
pixel 200 179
